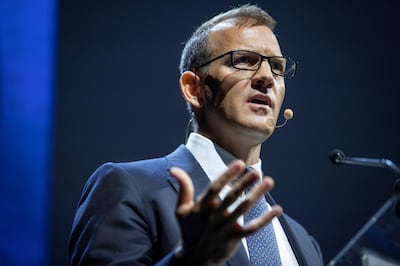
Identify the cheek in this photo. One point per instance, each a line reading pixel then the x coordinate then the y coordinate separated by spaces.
pixel 279 97
pixel 226 78
pixel 236 88
pixel 233 101
pixel 229 93
pixel 280 94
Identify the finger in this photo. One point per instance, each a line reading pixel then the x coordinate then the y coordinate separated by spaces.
pixel 256 224
pixel 243 184
pixel 258 191
pixel 185 198
pixel 234 169
pixel 235 230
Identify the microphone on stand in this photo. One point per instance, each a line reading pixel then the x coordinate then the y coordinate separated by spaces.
pixel 338 157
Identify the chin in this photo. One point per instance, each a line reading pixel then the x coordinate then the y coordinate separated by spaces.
pixel 266 127
pixel 267 130
pixel 258 134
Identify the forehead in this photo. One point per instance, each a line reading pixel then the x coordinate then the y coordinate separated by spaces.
pixel 226 36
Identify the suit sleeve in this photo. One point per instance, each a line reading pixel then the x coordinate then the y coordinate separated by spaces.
pixel 110 226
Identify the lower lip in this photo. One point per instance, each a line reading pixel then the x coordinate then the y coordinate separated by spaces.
pixel 259 106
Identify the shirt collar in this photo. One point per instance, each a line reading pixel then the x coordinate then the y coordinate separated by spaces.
pixel 212 158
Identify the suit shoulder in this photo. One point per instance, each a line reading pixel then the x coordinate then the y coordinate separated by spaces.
pixel 149 167
pixel 125 176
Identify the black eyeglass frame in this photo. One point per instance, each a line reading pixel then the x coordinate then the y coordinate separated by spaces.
pixel 268 58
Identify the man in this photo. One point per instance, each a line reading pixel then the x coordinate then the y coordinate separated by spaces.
pixel 193 206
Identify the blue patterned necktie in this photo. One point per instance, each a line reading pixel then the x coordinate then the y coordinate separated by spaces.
pixel 262 246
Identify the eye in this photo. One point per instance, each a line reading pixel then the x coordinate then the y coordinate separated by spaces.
pixel 278 65
pixel 246 60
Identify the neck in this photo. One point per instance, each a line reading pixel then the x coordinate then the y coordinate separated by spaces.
pixel 239 147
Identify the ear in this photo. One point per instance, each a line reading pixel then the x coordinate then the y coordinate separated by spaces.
pixel 191 89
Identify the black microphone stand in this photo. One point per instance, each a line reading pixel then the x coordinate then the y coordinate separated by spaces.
pixel 376 242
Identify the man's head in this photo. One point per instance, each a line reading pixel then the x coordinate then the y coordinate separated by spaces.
pixel 198 50
pixel 231 75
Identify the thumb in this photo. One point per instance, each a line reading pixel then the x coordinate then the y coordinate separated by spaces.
pixel 185 199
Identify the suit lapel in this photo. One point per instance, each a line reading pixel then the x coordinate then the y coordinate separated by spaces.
pixel 182 158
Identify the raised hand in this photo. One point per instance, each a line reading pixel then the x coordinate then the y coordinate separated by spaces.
pixel 210 232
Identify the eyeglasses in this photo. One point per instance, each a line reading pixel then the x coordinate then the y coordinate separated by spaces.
pixel 248 60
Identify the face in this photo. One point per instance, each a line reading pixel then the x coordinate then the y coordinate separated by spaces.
pixel 241 102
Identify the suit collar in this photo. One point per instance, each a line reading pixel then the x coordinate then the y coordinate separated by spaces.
pixel 182 158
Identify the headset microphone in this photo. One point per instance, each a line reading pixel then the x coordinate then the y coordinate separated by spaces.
pixel 287 114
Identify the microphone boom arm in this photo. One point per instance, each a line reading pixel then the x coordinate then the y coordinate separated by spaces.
pixel 338 157
pixel 383 163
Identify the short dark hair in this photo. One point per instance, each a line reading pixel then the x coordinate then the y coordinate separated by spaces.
pixel 197 50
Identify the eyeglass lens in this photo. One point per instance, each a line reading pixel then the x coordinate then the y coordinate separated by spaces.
pixel 247 60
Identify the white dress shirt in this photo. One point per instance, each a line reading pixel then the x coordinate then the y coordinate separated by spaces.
pixel 214 160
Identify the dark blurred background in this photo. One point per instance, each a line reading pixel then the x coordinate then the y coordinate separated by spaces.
pixel 114 96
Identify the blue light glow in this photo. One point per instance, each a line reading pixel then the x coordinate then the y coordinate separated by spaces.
pixel 27 41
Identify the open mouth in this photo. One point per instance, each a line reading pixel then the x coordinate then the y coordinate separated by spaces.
pixel 261 100
pixel 258 101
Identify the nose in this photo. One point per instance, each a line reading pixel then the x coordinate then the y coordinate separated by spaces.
pixel 263 78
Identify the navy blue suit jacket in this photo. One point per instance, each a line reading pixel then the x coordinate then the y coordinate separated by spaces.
pixel 126 216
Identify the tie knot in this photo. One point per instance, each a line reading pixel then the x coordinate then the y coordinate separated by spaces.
pixel 251 169
pixel 246 170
